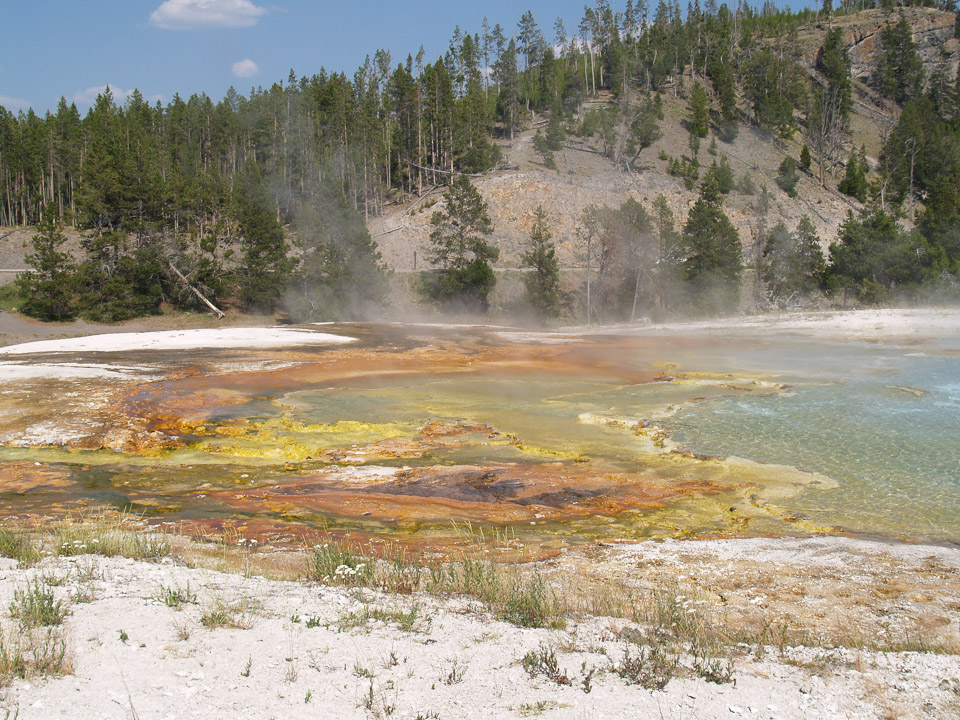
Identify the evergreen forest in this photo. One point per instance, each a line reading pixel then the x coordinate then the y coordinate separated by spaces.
pixel 260 201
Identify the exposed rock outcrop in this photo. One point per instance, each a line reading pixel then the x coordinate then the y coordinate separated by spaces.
pixel 933 32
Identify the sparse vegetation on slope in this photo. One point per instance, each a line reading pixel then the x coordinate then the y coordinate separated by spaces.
pixel 194 226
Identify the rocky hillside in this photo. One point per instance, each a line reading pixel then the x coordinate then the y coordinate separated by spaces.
pixel 585 177
pixel 933 32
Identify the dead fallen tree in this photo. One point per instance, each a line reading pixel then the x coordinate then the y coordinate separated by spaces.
pixel 196 292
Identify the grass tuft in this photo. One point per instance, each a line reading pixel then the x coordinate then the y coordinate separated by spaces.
pixel 219 613
pixel 531 603
pixel 410 620
pixel 108 535
pixel 35 605
pixel 454 676
pixel 19 544
pixel 10 298
pixel 543 661
pixel 512 594
pixel 176 597
pixel 336 563
pixel 652 667
pixel 29 652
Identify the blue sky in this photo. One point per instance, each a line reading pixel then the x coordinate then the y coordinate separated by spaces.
pixel 72 48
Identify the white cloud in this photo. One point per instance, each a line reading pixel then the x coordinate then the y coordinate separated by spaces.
pixel 244 68
pixel 13 102
pixel 120 96
pixel 200 14
pixel 89 96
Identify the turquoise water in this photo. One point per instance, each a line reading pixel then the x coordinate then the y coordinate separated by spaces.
pixel 894 454
pixel 880 420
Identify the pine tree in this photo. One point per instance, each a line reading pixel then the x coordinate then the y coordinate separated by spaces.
pixel 508 97
pixel 645 128
pixel 48 289
pixel 722 174
pixel 713 255
pixel 464 278
pixel 668 244
pixel 264 268
pixel 774 84
pixel 341 276
pixel 899 73
pixel 543 282
pixel 873 254
pixel 829 110
pixel 833 62
pixel 640 250
pixel 813 265
pixel 530 41
pixel 699 119
pixel 787 177
pixel 100 198
pixel 854 181
pixel 792 264
pixel 542 146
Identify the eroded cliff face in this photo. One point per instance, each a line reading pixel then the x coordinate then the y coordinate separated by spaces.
pixel 933 32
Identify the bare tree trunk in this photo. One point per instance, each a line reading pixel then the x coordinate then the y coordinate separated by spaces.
pixel 913 157
pixel 196 292
pixel 588 280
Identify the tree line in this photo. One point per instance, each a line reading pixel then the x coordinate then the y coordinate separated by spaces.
pixel 259 201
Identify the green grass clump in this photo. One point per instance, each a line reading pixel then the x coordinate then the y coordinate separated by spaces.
pixel 35 605
pixel 9 297
pixel 512 594
pixel 108 536
pixel 221 613
pixel 543 661
pixel 176 597
pixel 407 620
pixel 17 543
pixel 652 667
pixel 28 652
pixel 336 563
pixel 519 597
pixel 217 617
pixel 529 602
